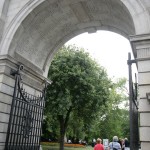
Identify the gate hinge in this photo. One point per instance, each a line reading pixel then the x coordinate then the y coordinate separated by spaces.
pixel 129 62
pixel 148 97
pixel 13 72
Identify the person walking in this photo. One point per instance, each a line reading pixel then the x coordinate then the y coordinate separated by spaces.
pixel 99 146
pixel 121 142
pixel 127 144
pixel 93 142
pixel 114 145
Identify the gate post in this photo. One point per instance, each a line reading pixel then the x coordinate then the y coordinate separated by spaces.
pixel 33 84
pixel 141 49
pixel 133 108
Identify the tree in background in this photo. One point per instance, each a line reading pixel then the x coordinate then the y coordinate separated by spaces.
pixel 115 118
pixel 80 87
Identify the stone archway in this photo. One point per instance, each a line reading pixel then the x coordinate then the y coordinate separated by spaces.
pixel 63 20
pixel 33 30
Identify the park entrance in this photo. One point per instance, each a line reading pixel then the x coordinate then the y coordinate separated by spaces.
pixel 33 30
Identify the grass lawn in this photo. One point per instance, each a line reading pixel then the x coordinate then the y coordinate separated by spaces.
pixel 66 148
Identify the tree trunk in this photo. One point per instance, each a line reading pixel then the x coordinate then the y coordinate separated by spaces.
pixel 62 132
pixel 63 125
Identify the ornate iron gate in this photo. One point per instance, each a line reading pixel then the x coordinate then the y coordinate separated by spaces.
pixel 134 128
pixel 26 115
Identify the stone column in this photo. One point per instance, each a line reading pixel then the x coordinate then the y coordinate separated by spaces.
pixel 33 83
pixel 141 50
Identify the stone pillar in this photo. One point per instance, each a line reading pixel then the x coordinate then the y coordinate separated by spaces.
pixel 141 50
pixel 33 83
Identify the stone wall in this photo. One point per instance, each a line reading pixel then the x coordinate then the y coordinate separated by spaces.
pixel 141 44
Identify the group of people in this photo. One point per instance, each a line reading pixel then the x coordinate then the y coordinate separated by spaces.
pixel 116 144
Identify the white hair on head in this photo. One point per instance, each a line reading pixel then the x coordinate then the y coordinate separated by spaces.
pixel 115 138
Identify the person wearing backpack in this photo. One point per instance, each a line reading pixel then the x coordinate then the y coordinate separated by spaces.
pixel 114 145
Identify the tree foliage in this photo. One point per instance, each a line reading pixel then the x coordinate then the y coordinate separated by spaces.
pixel 115 119
pixel 80 86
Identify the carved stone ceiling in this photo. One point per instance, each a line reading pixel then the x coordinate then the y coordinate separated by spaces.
pixel 52 23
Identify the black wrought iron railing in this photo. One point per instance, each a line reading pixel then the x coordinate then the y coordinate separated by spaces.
pixel 26 116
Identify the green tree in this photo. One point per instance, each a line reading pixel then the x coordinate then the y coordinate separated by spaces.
pixel 50 128
pixel 115 118
pixel 79 86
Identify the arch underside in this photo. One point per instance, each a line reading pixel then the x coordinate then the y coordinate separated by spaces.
pixel 53 23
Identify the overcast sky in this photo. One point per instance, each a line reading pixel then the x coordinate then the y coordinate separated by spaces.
pixel 108 48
